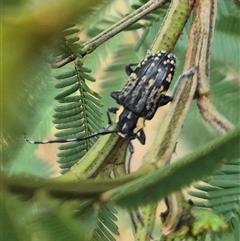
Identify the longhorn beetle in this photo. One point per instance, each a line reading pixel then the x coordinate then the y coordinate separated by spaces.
pixel 144 92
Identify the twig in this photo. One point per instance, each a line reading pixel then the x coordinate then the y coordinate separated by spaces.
pixel 133 17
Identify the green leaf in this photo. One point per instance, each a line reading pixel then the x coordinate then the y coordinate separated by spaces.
pixel 202 162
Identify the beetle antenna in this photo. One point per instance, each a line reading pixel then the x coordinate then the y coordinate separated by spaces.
pixel 99 133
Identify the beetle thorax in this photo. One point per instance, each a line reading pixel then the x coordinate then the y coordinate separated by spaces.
pixel 128 123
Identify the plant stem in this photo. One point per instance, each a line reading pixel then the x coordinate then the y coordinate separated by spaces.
pixel 172 25
pixel 199 52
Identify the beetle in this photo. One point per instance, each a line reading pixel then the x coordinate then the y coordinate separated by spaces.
pixel 144 92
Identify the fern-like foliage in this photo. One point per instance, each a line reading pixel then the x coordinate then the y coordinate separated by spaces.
pixel 221 192
pixel 80 115
pixel 106 224
pixel 79 111
pixel 105 16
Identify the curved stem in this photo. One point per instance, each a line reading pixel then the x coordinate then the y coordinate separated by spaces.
pixel 199 52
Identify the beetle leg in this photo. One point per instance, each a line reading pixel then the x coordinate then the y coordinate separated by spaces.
pixel 164 100
pixel 141 137
pixel 115 94
pixel 181 78
pixel 111 110
pixel 128 69
pixel 131 151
